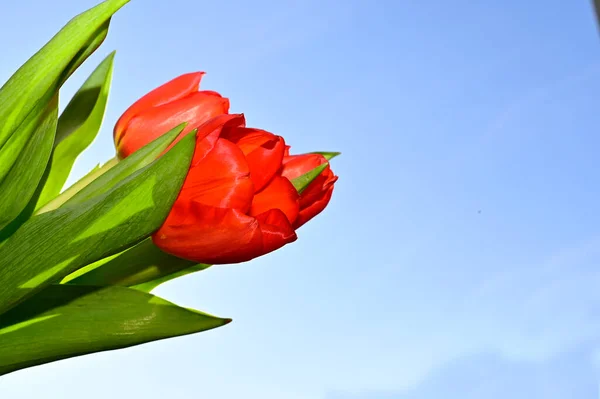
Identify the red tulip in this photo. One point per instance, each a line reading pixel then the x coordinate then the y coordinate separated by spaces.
pixel 233 206
pixel 237 201
pixel 163 109
pixel 318 193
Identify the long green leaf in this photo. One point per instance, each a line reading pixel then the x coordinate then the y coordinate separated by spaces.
pixel 131 164
pixel 152 284
pixel 113 172
pixel 137 265
pixel 143 267
pixel 46 70
pixel 21 181
pixel 78 126
pixel 26 97
pixel 63 321
pixel 76 235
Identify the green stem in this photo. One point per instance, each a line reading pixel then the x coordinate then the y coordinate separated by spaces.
pixel 78 186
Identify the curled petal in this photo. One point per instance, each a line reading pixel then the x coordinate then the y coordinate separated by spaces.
pixel 314 208
pixel 263 150
pixel 207 234
pixel 297 165
pixel 318 187
pixel 210 131
pixel 276 230
pixel 173 90
pixel 279 194
pixel 316 196
pixel 221 179
pixel 151 123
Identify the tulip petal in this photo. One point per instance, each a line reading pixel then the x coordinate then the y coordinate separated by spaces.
pixel 264 152
pixel 221 179
pixel 317 188
pixel 316 196
pixel 149 124
pixel 314 208
pixel 173 90
pixel 297 165
pixel 210 131
pixel 279 194
pixel 211 235
pixel 276 230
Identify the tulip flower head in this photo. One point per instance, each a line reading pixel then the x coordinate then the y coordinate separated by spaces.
pixel 237 201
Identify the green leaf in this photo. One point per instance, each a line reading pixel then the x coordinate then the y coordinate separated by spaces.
pixel 328 155
pixel 64 321
pixel 76 235
pixel 19 185
pixel 140 264
pixel 77 127
pixel 46 70
pixel 113 172
pixel 302 182
pixel 129 165
pixel 25 95
pixel 150 285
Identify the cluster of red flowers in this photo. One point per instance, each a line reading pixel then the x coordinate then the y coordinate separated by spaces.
pixel 237 201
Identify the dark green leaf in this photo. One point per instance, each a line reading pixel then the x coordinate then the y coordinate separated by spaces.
pixel 140 264
pixel 63 321
pixel 21 181
pixel 26 94
pixel 76 235
pixel 150 285
pixel 77 127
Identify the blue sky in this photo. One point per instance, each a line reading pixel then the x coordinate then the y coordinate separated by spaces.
pixel 459 256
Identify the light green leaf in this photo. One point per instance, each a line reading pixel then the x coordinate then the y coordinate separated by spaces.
pixel 328 155
pixel 64 321
pixel 77 127
pixel 140 264
pixel 302 182
pixel 76 235
pixel 106 177
pixel 19 185
pixel 129 165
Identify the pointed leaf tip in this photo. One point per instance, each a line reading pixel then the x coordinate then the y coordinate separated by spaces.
pixel 328 155
pixel 302 182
